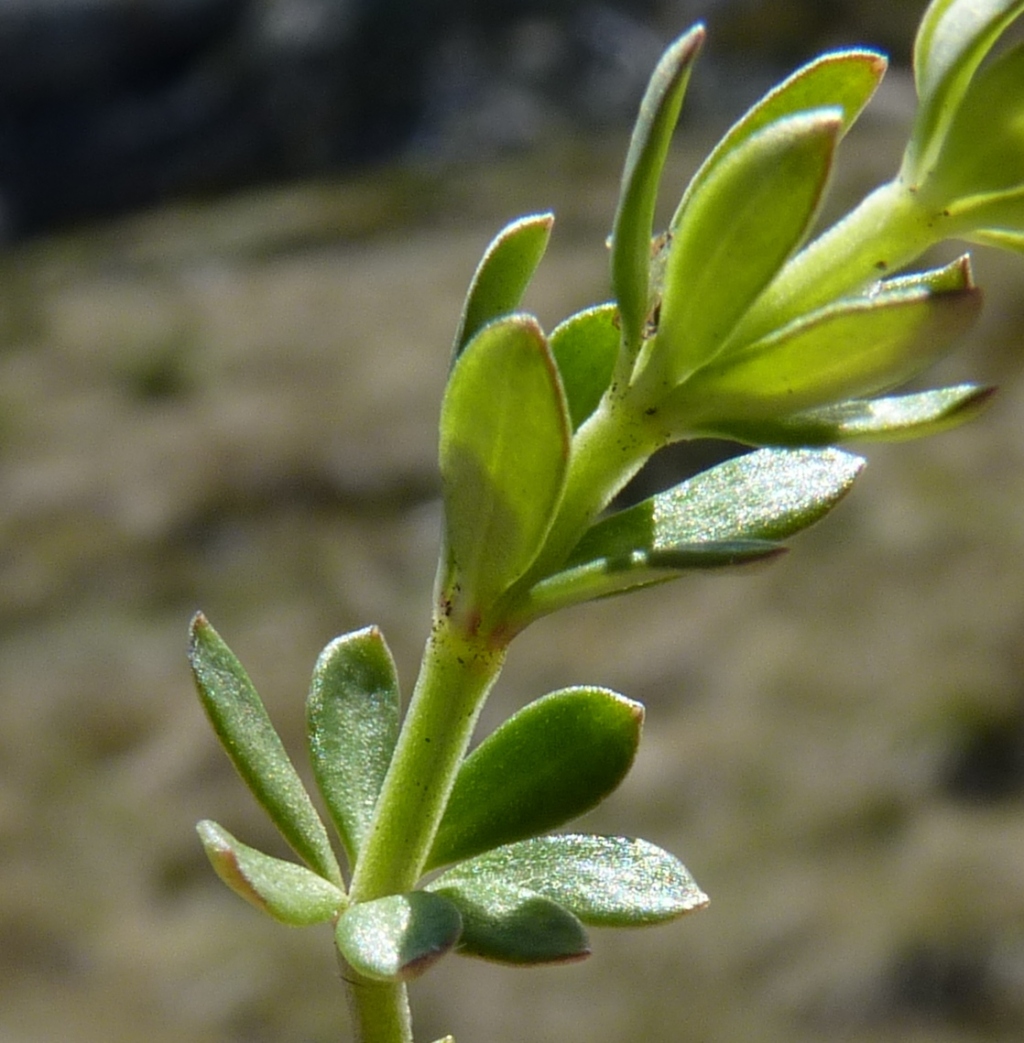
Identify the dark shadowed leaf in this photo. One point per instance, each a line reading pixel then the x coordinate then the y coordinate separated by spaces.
pixel 286 891
pixel 513 925
pixel 244 729
pixel 352 721
pixel 547 764
pixel 398 937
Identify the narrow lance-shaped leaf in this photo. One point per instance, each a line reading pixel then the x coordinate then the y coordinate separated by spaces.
pixel 608 576
pixel 605 881
pixel 634 219
pixel 286 891
pixel 398 937
pixel 952 40
pixel 843 79
pixel 851 349
pixel 503 275
pixel 512 925
pixel 352 719
pixel 585 347
pixel 891 419
pixel 547 764
pixel 241 722
pixel 504 453
pixel 737 230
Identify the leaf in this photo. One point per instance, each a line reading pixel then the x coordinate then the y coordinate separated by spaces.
pixel 851 349
pixel 547 764
pixel 737 230
pixel 983 151
pixel 398 937
pixel 352 720
pixel 503 274
pixel 605 577
pixel 952 40
pixel 504 454
pixel 766 495
pixel 605 881
pixel 285 890
pixel 891 419
pixel 241 722
pixel 842 79
pixel 634 219
pixel 585 347
pixel 513 925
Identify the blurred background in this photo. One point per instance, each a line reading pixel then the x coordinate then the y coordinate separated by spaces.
pixel 236 235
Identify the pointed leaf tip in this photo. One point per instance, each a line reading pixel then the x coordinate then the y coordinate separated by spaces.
pixel 245 730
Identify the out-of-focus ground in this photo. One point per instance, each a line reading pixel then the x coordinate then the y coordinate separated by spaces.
pixel 232 407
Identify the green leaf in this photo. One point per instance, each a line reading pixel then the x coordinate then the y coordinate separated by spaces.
pixel 634 218
pixel 766 495
pixel 286 891
pixel 585 347
pixel 842 79
pixel 547 764
pixel 851 349
pixel 503 274
pixel 739 227
pixel 352 720
pixel 891 419
pixel 504 453
pixel 605 577
pixel 513 925
pixel 605 881
pixel 241 722
pixel 952 40
pixel 983 152
pixel 398 937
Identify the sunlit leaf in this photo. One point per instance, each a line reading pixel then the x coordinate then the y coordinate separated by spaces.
pixel 842 79
pixel 503 274
pixel 605 881
pixel 766 495
pixel 952 40
pixel 634 218
pixel 398 937
pixel 286 891
pixel 241 722
pixel 585 347
pixel 547 764
pixel 852 349
pixel 352 720
pixel 890 419
pixel 749 215
pixel 504 454
pixel 510 924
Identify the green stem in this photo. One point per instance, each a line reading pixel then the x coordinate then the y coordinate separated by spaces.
pixel 893 226
pixel 456 675
pixel 379 1010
